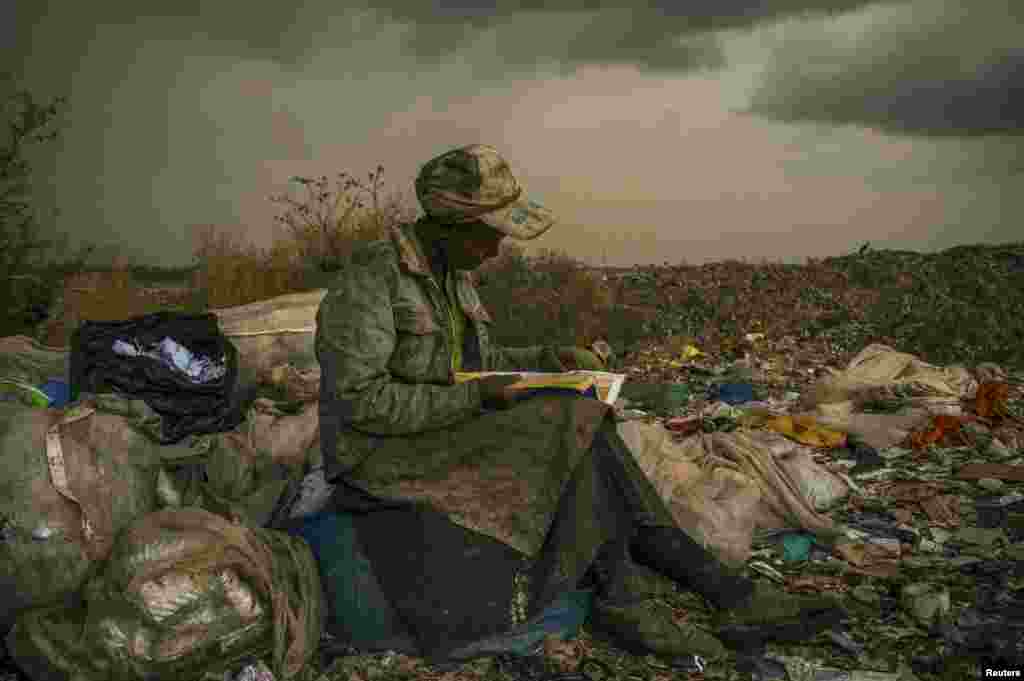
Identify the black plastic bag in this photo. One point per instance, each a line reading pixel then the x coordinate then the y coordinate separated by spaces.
pixel 185 405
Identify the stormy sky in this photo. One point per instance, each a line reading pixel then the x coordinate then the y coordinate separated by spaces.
pixel 732 131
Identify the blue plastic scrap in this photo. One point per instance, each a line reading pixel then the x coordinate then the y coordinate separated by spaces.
pixel 732 393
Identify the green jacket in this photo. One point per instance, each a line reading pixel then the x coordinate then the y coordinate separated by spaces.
pixel 394 422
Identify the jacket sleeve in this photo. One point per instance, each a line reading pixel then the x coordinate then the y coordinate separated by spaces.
pixel 533 358
pixel 355 337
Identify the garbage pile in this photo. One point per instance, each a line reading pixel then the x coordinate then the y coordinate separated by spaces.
pixel 893 482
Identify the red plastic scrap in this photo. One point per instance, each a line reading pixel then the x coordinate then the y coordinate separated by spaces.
pixel 683 425
pixel 942 425
pixel 991 400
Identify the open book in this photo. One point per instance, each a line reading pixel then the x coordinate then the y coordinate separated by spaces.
pixel 603 385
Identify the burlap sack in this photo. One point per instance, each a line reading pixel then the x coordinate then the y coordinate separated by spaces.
pixel 72 479
pixel 184 594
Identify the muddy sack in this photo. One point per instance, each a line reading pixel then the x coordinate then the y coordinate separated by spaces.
pixel 271 333
pixel 71 480
pixel 185 593
pixel 25 360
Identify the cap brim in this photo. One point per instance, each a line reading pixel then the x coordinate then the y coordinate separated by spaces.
pixel 522 220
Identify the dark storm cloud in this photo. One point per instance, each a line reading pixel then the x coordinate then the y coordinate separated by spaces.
pixel 660 36
pixel 193 112
pixel 945 68
pixel 607 32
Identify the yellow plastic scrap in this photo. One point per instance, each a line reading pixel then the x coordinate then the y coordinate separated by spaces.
pixel 691 351
pixel 805 430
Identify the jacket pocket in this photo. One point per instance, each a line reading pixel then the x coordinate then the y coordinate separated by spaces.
pixel 415 320
pixel 419 340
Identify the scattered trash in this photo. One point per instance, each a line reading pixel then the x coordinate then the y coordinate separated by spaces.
pixel 1006 472
pixel 691 351
pixel 677 397
pixel 990 484
pixel 845 643
pixel 911 441
pixel 926 602
pixel 17 391
pixel 879 559
pixel 980 536
pixel 253 672
pixel 865 594
pixel 766 570
pixel 990 401
pixel 732 393
pixel 684 425
pixel 943 428
pixel 798 669
pixel 806 430
pixel 58 392
pixel 42 532
pixel 943 510
pixel 796 547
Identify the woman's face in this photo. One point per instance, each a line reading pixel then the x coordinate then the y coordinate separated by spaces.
pixel 476 243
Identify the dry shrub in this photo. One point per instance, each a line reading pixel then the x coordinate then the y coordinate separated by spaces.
pixel 232 273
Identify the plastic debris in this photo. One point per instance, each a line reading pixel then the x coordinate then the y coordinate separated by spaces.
pixel 944 428
pixel 1006 472
pixel 845 643
pixel 806 430
pixel 990 484
pixel 766 570
pixel 990 400
pixel 796 547
pixel 732 393
pixel 691 351
pixel 865 594
pixel 926 602
pixel 253 672
pixel 980 536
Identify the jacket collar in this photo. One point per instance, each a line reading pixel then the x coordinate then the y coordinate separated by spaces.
pixel 412 252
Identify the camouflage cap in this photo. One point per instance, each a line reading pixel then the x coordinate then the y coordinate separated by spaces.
pixel 476 183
